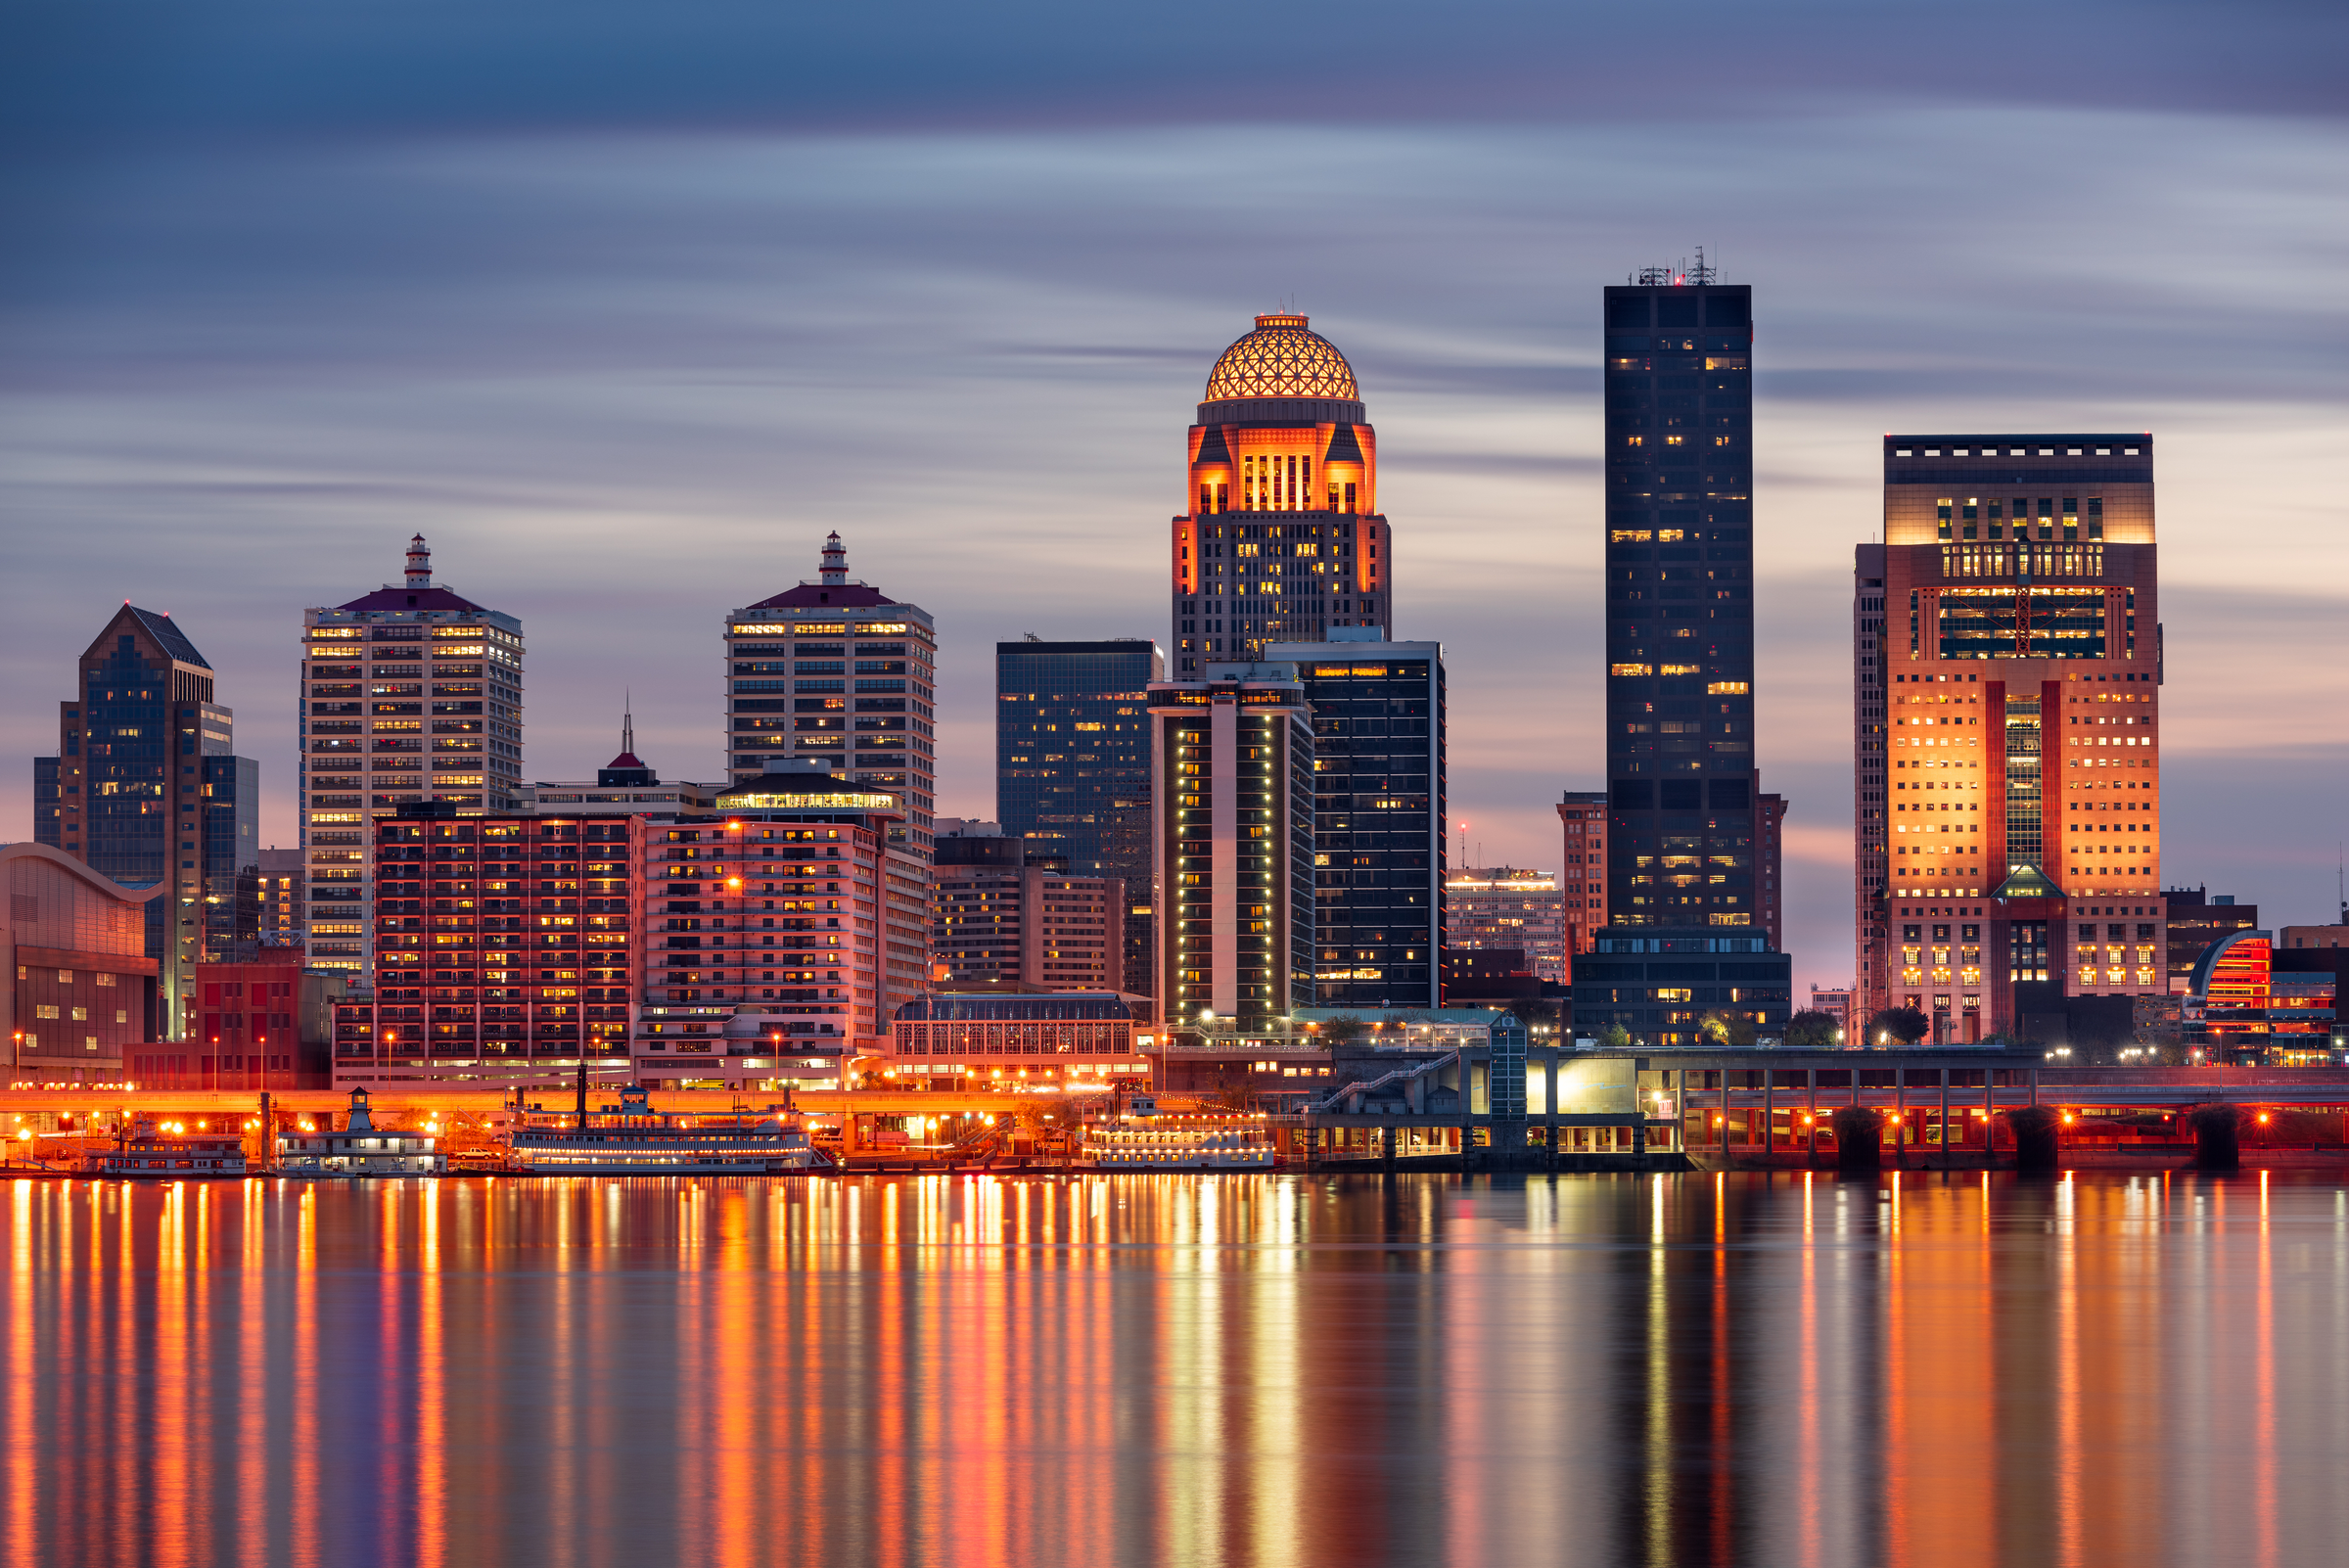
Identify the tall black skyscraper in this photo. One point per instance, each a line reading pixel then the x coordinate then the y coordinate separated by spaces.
pixel 1072 764
pixel 1680 778
pixel 149 790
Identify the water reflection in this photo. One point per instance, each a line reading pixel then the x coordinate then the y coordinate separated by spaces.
pixel 1179 1370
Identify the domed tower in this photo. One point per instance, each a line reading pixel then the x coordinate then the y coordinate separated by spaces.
pixel 1283 538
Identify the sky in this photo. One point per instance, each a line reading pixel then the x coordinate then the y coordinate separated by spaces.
pixel 626 307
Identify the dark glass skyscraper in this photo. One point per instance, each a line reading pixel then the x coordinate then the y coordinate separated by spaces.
pixel 1378 818
pixel 143 755
pixel 1681 777
pixel 1072 764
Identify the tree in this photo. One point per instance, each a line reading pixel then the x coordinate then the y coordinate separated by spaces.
pixel 1613 1037
pixel 1812 1029
pixel 1726 1031
pixel 1906 1025
pixel 1339 1030
pixel 1533 1012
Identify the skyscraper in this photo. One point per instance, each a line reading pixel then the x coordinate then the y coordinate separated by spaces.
pixel 2010 866
pixel 835 674
pixel 1680 651
pixel 1378 818
pixel 143 755
pixel 1232 825
pixel 410 693
pixel 1282 538
pixel 1073 766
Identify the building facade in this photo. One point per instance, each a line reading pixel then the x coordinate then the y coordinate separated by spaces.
pixel 1379 812
pixel 2239 1006
pixel 1233 831
pixel 1073 766
pixel 1770 841
pixel 1280 538
pixel 834 674
pixel 410 693
pixel 1004 916
pixel 1683 793
pixel 82 993
pixel 151 792
pixel 283 916
pixel 504 949
pixel 1506 907
pixel 1583 880
pixel 622 787
pixel 775 915
pixel 1836 1002
pixel 955 1042
pixel 2017 863
pixel 267 1024
pixel 2195 918
pixel 1683 989
pixel 232 858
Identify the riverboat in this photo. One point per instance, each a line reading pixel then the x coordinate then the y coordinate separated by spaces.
pixel 631 1139
pixel 1143 1139
pixel 359 1149
pixel 168 1151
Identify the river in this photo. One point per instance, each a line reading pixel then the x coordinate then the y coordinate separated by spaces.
pixel 1182 1371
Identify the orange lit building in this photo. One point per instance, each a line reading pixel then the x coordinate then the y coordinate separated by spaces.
pixel 2008 674
pixel 1283 536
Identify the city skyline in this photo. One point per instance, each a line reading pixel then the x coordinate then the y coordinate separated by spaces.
pixel 1488 413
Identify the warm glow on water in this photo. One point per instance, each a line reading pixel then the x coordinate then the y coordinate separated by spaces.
pixel 1239 1370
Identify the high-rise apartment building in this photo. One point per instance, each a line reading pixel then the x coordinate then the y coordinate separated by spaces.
pixel 2012 745
pixel 149 791
pixel 1682 784
pixel 1073 766
pixel 502 948
pixel 1006 916
pixel 1583 882
pixel 1232 825
pixel 835 675
pixel 771 931
pixel 1281 537
pixel 1500 906
pixel 1378 816
pixel 410 693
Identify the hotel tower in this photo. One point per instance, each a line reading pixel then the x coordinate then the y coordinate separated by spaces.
pixel 835 675
pixel 409 694
pixel 2007 662
pixel 1282 537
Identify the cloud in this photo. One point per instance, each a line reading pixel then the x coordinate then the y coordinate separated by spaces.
pixel 144 68
pixel 626 381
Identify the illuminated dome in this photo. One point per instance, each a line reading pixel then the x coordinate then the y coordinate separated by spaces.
pixel 1281 358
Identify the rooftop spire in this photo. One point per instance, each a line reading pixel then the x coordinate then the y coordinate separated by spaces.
pixel 628 723
pixel 420 563
pixel 835 571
